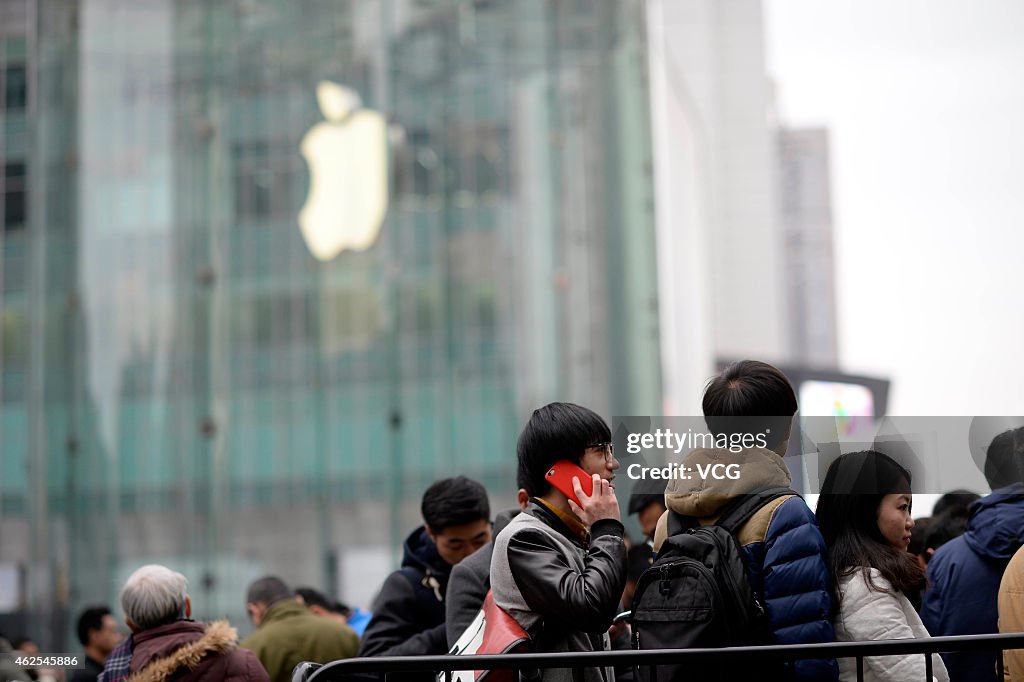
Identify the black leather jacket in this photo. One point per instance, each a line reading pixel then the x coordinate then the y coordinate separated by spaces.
pixel 570 603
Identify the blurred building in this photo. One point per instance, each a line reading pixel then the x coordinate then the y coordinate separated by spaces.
pixel 805 201
pixel 183 382
pixel 721 264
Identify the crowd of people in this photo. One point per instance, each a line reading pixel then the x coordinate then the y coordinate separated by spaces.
pixel 859 567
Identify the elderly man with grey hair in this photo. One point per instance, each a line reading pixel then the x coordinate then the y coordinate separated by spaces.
pixel 168 644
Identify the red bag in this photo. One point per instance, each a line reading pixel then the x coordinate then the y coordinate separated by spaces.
pixel 493 631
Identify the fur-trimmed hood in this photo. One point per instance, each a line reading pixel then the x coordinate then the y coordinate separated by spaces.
pixel 163 651
pixel 703 497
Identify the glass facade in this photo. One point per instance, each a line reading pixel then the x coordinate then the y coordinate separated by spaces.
pixel 183 382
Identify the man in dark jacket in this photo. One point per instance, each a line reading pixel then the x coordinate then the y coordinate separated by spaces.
pixel 559 568
pixel 97 631
pixel 166 644
pixel 784 553
pixel 964 573
pixel 408 613
pixel 471 579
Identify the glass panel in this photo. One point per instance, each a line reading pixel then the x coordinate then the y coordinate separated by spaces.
pixel 226 390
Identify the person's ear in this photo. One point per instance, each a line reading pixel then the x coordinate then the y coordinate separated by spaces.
pixel 256 611
pixel 430 534
pixel 188 606
pixel 131 624
pixel 523 498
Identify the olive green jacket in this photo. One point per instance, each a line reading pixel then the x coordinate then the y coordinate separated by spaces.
pixel 290 634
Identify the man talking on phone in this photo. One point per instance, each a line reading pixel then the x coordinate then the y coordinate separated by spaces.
pixel 560 566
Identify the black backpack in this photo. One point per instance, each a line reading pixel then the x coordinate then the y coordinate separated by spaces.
pixel 696 594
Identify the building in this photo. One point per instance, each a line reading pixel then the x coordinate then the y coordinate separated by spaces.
pixel 721 266
pixel 806 223
pixel 182 381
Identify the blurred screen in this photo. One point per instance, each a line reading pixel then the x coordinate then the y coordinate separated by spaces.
pixel 836 399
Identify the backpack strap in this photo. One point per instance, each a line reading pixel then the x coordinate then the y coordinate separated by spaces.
pixel 740 510
pixel 678 523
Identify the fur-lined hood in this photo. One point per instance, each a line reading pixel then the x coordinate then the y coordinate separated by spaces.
pixel 703 497
pixel 162 651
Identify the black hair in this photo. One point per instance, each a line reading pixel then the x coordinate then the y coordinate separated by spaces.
pixel 919 536
pixel 313 597
pixel 647 491
pixel 1003 459
pixel 945 527
pixel 523 481
pixel 955 502
pixel 454 502
pixel 19 641
pixel 267 590
pixel 847 515
pixel 91 619
pixel 555 432
pixel 750 397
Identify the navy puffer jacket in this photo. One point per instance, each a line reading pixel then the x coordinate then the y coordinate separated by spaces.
pixel 963 580
pixel 783 549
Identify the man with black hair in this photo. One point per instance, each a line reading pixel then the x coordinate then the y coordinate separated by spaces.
pixel 408 613
pixel 471 578
pixel 319 605
pixel 955 503
pixel 559 567
pixel 648 504
pixel 783 552
pixel 287 633
pixel 964 573
pixel 97 631
pixel 919 545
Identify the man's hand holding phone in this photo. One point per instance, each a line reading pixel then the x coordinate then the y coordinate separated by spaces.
pixel 601 504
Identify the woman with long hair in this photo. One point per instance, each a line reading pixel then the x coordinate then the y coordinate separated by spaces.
pixel 864 516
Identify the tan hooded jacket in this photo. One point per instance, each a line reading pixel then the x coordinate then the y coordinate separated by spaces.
pixel 704 498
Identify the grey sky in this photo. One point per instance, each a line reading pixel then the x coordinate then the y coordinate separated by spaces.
pixel 925 104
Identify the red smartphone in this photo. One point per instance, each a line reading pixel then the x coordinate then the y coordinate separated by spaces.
pixel 560 475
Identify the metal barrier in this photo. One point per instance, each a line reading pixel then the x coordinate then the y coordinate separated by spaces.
pixel 380 668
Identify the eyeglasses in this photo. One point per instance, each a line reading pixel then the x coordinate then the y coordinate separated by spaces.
pixel 607 448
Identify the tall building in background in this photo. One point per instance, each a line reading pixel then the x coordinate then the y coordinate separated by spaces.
pixel 721 265
pixel 182 380
pixel 805 201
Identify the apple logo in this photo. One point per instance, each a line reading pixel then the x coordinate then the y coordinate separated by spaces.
pixel 348 185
